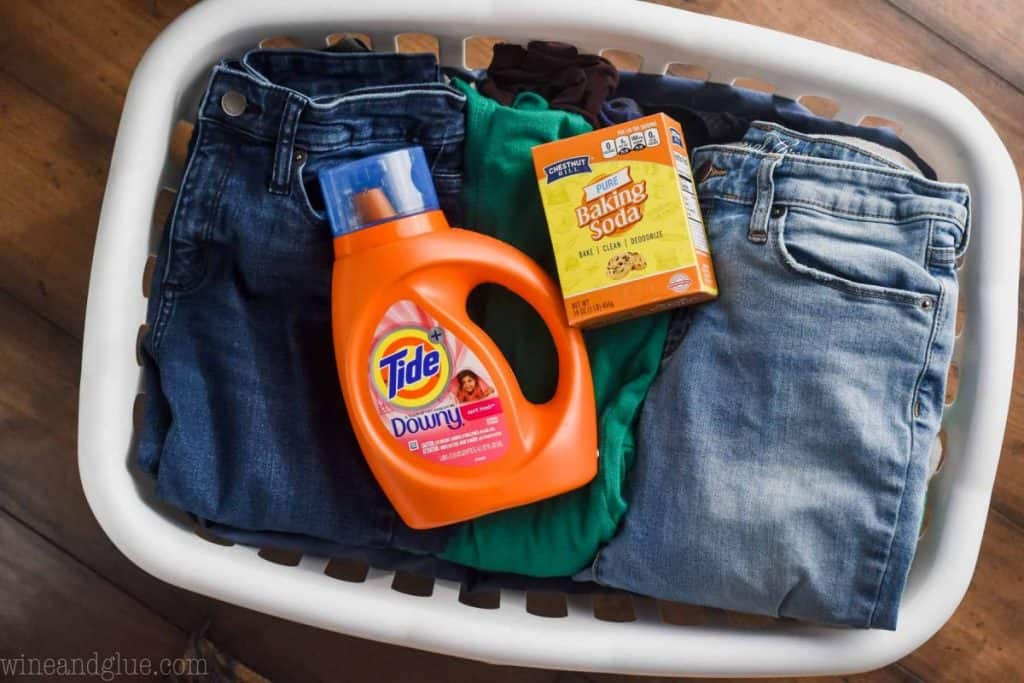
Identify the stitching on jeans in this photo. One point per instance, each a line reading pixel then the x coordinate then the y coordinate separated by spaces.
pixel 459 97
pixel 938 256
pixel 783 145
pixel 377 141
pixel 310 123
pixel 748 199
pixel 313 218
pixel 939 310
pixel 330 148
pixel 163 313
pixel 163 317
pixel 216 204
pixel 760 215
pixel 278 143
pixel 417 89
pixel 848 215
pixel 281 176
pixel 711 194
pixel 907 175
pixel 837 282
pixel 182 188
pixel 928 244
pixel 853 289
pixel 825 138
pixel 437 157
pixel 344 99
pixel 831 209
pixel 206 230
pixel 848 165
pixel 367 56
pixel 171 292
pixel 941 256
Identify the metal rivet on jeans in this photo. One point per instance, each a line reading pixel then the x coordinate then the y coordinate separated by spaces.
pixel 300 156
pixel 233 103
pixel 777 211
pixel 926 304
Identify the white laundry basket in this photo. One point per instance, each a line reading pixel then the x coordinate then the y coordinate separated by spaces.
pixel 939 122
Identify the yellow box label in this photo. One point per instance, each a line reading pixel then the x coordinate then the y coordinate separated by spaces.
pixel 608 227
pixel 624 220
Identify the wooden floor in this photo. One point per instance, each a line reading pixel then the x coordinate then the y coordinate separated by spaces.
pixel 65 590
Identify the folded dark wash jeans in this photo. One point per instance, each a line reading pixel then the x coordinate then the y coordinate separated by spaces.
pixel 783 449
pixel 718 113
pixel 244 423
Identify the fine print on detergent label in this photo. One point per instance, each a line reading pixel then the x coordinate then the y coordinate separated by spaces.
pixel 431 391
pixel 624 220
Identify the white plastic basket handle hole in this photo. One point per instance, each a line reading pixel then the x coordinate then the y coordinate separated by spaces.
pixel 617 607
pixel 280 43
pixel 417 42
pixel 872 121
pixel 413 584
pixel 352 571
pixel 478 50
pixel 679 614
pixel 692 71
pixel 623 60
pixel 480 599
pixel 210 537
pixel 147 275
pixel 285 558
pixel 952 383
pixel 824 107
pixel 547 604
pixel 754 84
pixel 140 337
pixel 335 38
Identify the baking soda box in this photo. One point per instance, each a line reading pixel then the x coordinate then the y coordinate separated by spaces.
pixel 624 220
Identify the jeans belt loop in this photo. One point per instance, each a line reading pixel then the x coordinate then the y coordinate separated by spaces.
pixel 961 248
pixel 758 231
pixel 284 150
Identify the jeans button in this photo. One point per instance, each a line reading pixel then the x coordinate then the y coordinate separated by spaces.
pixel 233 103
pixel 778 211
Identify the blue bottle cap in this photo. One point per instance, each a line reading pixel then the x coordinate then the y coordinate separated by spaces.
pixel 376 189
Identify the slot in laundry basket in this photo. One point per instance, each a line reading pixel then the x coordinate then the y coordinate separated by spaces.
pixel 517 628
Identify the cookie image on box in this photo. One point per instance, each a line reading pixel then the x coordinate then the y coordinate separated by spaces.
pixel 619 266
pixel 638 262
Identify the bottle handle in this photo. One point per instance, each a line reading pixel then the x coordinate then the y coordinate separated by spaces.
pixel 495 262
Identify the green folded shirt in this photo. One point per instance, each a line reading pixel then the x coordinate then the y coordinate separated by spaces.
pixel 560 535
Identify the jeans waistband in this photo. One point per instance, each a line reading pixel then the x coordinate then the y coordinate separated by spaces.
pixel 323 101
pixel 317 73
pixel 771 137
pixel 875 190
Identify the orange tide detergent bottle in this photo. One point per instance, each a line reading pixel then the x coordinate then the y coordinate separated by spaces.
pixel 434 404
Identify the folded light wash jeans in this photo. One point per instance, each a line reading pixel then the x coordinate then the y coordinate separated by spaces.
pixel 783 448
pixel 244 424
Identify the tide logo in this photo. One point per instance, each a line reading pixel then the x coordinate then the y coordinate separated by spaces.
pixel 410 367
